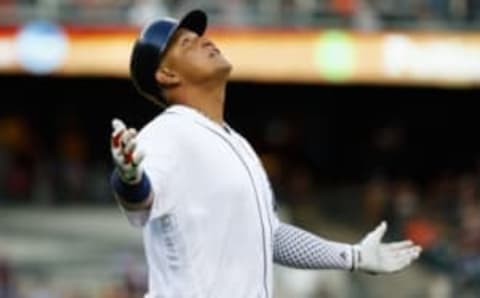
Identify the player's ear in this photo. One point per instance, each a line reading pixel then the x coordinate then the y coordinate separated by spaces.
pixel 166 77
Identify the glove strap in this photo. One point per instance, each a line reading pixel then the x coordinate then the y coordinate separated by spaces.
pixel 356 257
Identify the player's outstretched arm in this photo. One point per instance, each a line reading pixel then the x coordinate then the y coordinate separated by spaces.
pixel 129 181
pixel 297 248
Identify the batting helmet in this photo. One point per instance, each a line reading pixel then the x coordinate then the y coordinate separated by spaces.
pixel 150 47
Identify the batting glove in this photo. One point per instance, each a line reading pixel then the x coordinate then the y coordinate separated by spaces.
pixel 374 257
pixel 125 154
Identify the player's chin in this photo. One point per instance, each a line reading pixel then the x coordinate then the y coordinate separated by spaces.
pixel 228 67
pixel 223 66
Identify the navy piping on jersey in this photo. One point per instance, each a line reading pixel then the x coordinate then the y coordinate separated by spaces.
pixel 259 208
pixel 268 213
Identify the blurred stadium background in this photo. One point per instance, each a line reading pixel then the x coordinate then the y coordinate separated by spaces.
pixel 360 109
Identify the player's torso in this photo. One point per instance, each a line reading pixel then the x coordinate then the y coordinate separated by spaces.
pixel 223 224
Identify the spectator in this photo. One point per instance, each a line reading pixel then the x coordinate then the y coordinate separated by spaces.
pixel 8 287
pixel 16 141
pixel 473 10
pixel 141 12
pixel 375 198
pixel 346 8
pixel 72 164
pixel 42 288
pixel 440 8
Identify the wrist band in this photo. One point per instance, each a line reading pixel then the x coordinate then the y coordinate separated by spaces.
pixel 131 193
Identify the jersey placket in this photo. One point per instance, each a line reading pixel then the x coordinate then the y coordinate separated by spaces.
pixel 253 172
pixel 261 179
pixel 266 228
pixel 264 219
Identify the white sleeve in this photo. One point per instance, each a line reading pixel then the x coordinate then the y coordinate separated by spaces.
pixel 136 218
pixel 159 165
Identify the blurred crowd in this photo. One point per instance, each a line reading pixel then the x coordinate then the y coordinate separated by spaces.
pixel 41 171
pixel 362 14
pixel 129 283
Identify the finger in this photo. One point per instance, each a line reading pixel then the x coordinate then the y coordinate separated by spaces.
pixel 133 131
pixel 127 136
pixel 379 232
pixel 405 261
pixel 399 263
pixel 128 157
pixel 118 129
pixel 408 255
pixel 120 159
pixel 116 136
pixel 130 146
pixel 417 251
pixel 400 245
pixel 410 252
pixel 118 125
pixel 137 157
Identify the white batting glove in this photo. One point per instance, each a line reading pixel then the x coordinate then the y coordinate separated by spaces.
pixel 125 154
pixel 374 257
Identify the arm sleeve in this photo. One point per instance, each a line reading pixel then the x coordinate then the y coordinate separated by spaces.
pixel 159 166
pixel 300 249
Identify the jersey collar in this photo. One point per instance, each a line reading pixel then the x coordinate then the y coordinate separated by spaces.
pixel 200 118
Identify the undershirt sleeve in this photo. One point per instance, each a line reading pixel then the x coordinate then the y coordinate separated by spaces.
pixel 294 247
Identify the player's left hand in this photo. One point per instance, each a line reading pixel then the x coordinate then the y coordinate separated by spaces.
pixel 373 256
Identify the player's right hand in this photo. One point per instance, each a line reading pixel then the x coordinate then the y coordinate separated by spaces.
pixel 126 156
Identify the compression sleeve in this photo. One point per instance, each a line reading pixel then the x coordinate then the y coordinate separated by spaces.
pixel 300 249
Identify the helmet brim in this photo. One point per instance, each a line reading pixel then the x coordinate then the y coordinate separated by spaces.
pixel 195 20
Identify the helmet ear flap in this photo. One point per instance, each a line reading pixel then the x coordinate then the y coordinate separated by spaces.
pixel 143 65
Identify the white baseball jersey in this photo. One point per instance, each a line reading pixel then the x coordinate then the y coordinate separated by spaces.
pixel 209 232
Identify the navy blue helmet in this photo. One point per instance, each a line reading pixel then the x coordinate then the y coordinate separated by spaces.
pixel 150 47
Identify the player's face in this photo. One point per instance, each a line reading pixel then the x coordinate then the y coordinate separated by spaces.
pixel 195 58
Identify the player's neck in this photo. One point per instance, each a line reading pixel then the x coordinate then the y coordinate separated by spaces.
pixel 209 102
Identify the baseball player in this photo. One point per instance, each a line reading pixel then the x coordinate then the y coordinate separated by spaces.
pixel 198 190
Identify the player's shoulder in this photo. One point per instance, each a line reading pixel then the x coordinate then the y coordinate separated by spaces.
pixel 160 123
pixel 246 143
pixel 240 136
pixel 163 127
